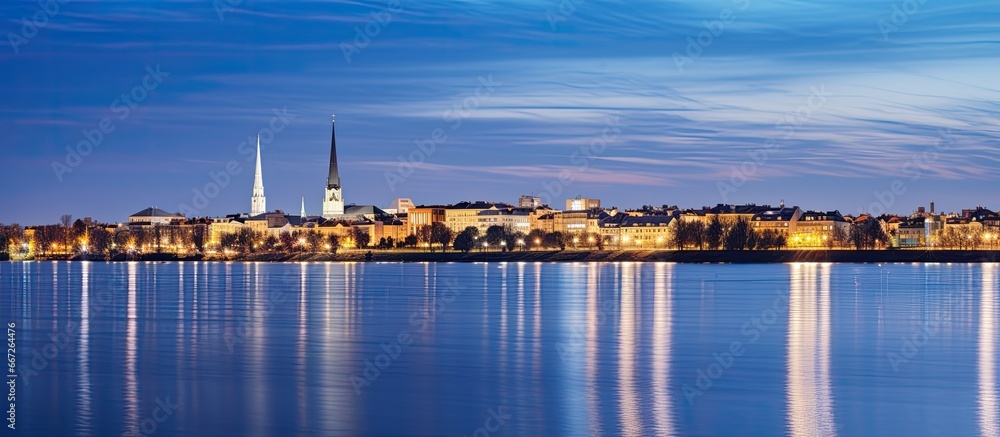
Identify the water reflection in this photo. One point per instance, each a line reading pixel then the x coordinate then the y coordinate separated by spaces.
pixel 988 406
pixel 662 330
pixel 628 400
pixel 810 398
pixel 131 380
pixel 83 419
pixel 593 362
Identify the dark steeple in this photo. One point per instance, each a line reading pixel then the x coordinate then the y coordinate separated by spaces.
pixel 333 181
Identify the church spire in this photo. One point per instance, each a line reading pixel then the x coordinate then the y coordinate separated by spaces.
pixel 303 214
pixel 333 202
pixel 258 203
pixel 333 179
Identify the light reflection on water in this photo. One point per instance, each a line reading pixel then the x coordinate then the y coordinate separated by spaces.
pixel 271 349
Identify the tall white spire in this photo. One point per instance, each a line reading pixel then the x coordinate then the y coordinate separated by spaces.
pixel 333 202
pixel 303 214
pixel 258 203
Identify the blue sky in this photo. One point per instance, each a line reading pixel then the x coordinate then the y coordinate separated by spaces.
pixel 842 99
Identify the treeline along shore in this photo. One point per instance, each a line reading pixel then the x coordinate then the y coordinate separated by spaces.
pixel 678 256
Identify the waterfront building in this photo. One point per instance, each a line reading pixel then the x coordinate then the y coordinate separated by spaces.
pixel 153 216
pixel 400 205
pixel 516 219
pixel 910 233
pixel 623 231
pixel 817 229
pixel 782 219
pixel 579 203
pixel 464 214
pixel 529 202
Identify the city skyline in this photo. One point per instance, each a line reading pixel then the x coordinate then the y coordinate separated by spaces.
pixel 203 81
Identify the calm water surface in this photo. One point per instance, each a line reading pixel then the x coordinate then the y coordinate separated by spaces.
pixel 535 349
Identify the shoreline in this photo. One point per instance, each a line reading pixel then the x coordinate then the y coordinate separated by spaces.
pixel 685 257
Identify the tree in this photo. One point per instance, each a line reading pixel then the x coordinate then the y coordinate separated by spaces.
pixel 287 242
pixel 554 239
pixel 361 238
pixel 494 235
pixel 314 240
pixel 867 234
pixel 714 233
pixel 512 238
pixel 698 232
pixel 741 236
pixel 771 239
pixel 66 220
pixel 11 236
pixel 682 235
pixel 465 240
pixel 99 242
pixel 535 238
pixel 839 237
pixel 440 234
pixel 333 243
pixel 271 243
pixel 424 234
pixel 411 240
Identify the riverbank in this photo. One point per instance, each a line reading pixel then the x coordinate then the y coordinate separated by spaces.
pixel 686 256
